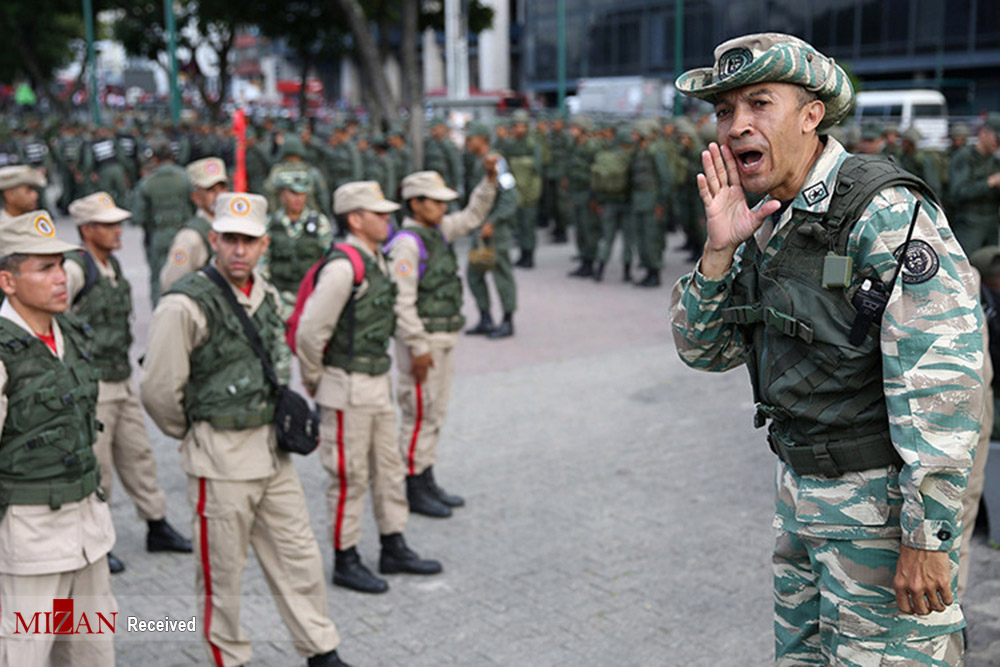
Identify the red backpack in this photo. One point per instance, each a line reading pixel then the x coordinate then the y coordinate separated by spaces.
pixel 308 284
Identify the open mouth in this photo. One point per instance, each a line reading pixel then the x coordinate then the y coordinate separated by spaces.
pixel 750 159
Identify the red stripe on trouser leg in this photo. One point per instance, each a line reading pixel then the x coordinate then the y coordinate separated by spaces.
pixel 342 478
pixel 416 429
pixel 206 570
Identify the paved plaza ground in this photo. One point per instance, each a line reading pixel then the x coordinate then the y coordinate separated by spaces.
pixel 618 508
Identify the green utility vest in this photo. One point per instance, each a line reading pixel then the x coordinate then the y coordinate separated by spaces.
pixel 520 155
pixel 439 292
pixel 578 170
pixel 823 395
pixel 203 227
pixel 609 173
pixel 106 308
pixel 360 343
pixel 46 450
pixel 292 257
pixel 227 387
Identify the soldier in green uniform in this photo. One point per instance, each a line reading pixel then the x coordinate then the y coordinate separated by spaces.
pixel 690 207
pixel 378 164
pixel 103 166
pixel 610 186
pixel 161 203
pixel 588 225
pixel 556 175
pixel 524 156
pixel 340 158
pixel 974 188
pixel 540 133
pixel 441 154
pixel 496 233
pixel 35 153
pixel 127 143
pixel 55 524
pixel 300 236
pixel 399 152
pixel 650 181
pixel 258 163
pixel 890 141
pixel 871 138
pixel 293 161
pixel 917 161
pixel 69 157
pixel 872 414
pixel 100 295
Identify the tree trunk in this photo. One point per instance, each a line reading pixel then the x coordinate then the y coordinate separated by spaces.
pixel 368 57
pixel 307 59
pixel 413 89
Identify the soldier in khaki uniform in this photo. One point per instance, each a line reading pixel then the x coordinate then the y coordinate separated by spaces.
pixel 429 319
pixel 18 189
pixel 190 250
pixel 204 384
pixel 55 527
pixel 343 348
pixel 100 295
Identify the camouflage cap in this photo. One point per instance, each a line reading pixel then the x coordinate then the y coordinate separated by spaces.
pixel 987 261
pixel 240 213
pixel 776 57
pixel 98 207
pixel 520 116
pixel 623 135
pixel 437 120
pixel 21 174
pixel 477 129
pixel 362 196
pixel 871 130
pixel 293 146
pixel 207 172
pixel 296 181
pixel 992 121
pixel 959 130
pixel 912 134
pixel 585 123
pixel 428 184
pixel 31 234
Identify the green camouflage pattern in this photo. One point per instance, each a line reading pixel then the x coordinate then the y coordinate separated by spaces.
pixel 767 57
pixel 932 354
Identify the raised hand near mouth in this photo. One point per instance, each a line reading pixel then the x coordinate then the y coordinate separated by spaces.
pixel 729 220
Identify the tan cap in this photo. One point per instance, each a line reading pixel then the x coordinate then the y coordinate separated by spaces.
pixel 240 213
pixel 11 177
pixel 98 207
pixel 207 172
pixel 31 234
pixel 427 184
pixel 362 195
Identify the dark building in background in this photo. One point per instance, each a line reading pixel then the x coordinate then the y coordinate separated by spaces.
pixel 950 45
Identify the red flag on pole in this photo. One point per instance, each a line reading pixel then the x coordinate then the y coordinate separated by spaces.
pixel 240 129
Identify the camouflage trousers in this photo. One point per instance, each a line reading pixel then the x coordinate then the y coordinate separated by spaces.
pixel 834 604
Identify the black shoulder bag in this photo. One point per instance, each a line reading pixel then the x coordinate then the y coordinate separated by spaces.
pixel 296 424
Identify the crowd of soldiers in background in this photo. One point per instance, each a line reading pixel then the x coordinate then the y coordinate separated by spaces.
pixel 635 179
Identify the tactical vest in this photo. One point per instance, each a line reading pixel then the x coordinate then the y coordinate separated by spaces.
pixel 291 257
pixel 823 395
pixel 106 308
pixel 520 154
pixel 360 342
pixel 104 151
pixel 35 152
pixel 439 292
pixel 642 171
pixel 609 173
pixel 46 450
pixel 127 144
pixel 227 386
pixel 203 227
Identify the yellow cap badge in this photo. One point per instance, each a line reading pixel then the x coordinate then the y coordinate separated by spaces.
pixel 44 226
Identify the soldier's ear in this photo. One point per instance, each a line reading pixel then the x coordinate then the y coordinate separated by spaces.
pixel 213 240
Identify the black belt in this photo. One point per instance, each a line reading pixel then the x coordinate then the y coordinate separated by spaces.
pixel 833 459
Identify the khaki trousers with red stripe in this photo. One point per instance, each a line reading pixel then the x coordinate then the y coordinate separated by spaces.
pixel 90 589
pixel 269 514
pixel 423 407
pixel 358 449
pixel 123 445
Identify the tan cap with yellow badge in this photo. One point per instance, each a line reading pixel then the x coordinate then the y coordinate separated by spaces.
pixel 31 234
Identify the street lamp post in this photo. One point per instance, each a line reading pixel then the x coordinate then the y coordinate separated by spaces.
pixel 171 25
pixel 88 20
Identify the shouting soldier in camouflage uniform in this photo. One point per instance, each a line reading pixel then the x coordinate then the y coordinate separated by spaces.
pixel 873 414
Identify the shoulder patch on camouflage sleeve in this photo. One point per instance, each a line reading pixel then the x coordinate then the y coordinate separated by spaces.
pixel 920 264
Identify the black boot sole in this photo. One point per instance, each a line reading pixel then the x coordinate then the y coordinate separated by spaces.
pixel 393 566
pixel 359 587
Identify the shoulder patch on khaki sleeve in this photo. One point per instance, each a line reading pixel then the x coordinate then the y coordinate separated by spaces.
pixel 403 268
pixel 179 257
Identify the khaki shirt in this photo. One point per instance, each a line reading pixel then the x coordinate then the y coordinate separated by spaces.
pixel 35 539
pixel 405 258
pixel 75 280
pixel 4 215
pixel 187 254
pixel 334 387
pixel 178 327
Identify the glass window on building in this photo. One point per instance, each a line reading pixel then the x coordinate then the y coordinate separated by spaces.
pixel 988 24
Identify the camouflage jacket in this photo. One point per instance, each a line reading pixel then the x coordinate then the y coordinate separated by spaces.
pixel 931 346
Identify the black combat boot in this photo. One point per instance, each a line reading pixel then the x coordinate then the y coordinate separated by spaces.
pixel 330 659
pixel 115 565
pixel 485 325
pixel 422 498
pixel 599 272
pixel 585 270
pixel 398 558
pixel 652 279
pixel 627 273
pixel 527 260
pixel 162 537
pixel 559 236
pixel 449 499
pixel 350 572
pixel 505 330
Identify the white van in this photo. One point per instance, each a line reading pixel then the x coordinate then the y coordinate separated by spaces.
pixel 925 109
